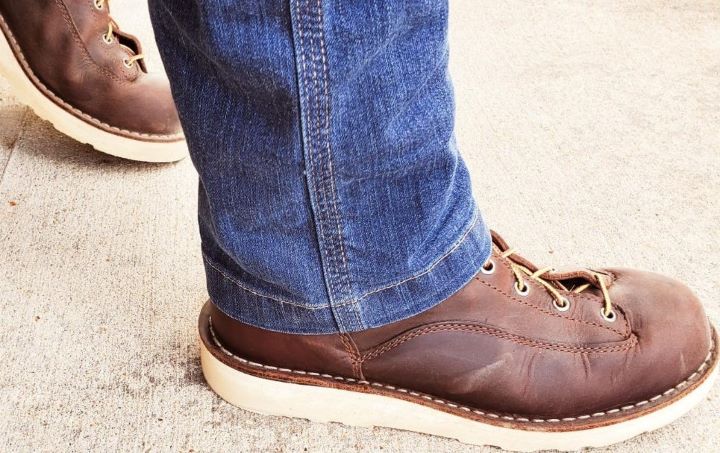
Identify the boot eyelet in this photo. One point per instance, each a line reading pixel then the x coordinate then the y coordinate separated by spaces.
pixel 564 307
pixel 128 64
pixel 609 317
pixel 98 5
pixel 488 268
pixel 106 39
pixel 524 291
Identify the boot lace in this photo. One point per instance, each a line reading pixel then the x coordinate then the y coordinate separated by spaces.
pixel 551 280
pixel 109 36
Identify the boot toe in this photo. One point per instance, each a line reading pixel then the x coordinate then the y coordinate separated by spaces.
pixel 674 336
pixel 152 110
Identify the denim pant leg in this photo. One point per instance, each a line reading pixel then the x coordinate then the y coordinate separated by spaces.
pixel 332 196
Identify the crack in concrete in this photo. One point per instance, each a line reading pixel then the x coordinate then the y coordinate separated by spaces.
pixel 13 145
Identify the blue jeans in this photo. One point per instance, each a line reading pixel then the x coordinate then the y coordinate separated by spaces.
pixel 332 195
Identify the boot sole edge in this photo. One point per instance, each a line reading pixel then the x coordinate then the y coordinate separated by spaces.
pixel 333 401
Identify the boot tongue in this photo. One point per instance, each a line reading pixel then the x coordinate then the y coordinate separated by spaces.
pixel 567 279
pixel 131 44
pixel 581 277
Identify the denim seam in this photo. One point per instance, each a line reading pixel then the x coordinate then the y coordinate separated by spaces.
pixel 333 188
pixel 302 76
pixel 313 129
pixel 437 262
pixel 318 122
pixel 257 293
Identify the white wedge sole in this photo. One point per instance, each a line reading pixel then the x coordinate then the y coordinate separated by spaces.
pixel 357 408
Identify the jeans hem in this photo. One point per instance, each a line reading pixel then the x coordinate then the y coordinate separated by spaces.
pixel 409 297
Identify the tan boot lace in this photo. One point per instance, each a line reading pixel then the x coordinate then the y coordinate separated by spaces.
pixel 109 36
pixel 550 279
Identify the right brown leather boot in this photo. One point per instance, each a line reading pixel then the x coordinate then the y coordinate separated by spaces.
pixel 521 358
pixel 68 60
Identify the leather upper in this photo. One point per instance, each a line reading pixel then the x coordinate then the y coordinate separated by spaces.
pixel 62 43
pixel 491 348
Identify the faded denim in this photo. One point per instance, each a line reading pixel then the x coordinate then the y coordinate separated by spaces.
pixel 332 196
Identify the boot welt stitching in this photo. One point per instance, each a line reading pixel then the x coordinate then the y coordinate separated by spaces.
pixel 628 407
pixel 79 113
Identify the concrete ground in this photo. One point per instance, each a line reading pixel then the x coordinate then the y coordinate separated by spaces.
pixel 591 129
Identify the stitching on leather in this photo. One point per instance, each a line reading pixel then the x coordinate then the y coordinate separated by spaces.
pixel 698 372
pixel 449 327
pixel 591 298
pixel 547 312
pixel 67 107
pixel 78 40
pixel 355 358
pixel 349 352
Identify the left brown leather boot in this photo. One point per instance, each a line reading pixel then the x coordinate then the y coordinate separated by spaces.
pixel 521 358
pixel 69 61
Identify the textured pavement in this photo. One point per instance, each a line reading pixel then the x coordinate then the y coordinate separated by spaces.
pixel 592 132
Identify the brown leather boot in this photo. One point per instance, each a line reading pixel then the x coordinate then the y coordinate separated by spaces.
pixel 71 64
pixel 521 358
